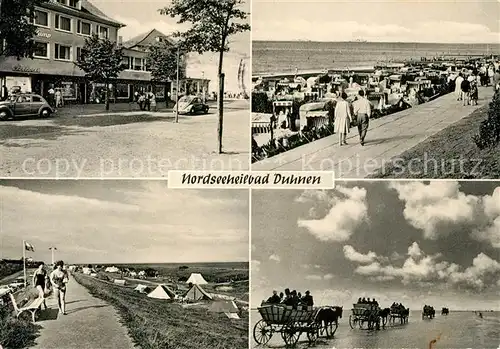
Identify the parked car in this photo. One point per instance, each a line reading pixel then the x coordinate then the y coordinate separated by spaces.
pixel 25 104
pixel 191 105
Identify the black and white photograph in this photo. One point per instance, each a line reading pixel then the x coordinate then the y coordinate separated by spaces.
pixel 109 88
pixel 122 264
pixel 390 264
pixel 377 89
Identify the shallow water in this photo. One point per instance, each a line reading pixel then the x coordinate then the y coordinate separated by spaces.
pixel 457 330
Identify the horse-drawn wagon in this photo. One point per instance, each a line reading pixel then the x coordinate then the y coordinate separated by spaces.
pixel 366 316
pixel 428 312
pixel 291 322
pixel 399 313
pixel 445 311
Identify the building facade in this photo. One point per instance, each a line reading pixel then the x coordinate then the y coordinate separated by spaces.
pixel 63 26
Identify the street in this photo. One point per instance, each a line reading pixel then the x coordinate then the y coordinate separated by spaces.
pixel 78 143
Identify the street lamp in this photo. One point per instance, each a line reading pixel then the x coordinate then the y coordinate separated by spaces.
pixel 177 94
pixel 52 248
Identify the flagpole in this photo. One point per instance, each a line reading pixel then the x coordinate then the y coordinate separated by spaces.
pixel 24 263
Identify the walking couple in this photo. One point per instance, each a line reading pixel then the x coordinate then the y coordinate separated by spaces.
pixel 343 117
pixel 55 281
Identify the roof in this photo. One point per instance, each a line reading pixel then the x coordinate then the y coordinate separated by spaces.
pixel 146 39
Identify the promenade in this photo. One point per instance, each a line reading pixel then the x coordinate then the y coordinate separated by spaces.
pixel 387 138
pixel 89 324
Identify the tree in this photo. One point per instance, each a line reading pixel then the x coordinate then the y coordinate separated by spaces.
pixel 101 60
pixel 17 28
pixel 212 23
pixel 162 60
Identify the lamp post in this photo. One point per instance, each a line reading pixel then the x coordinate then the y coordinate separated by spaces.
pixel 203 86
pixel 177 94
pixel 52 249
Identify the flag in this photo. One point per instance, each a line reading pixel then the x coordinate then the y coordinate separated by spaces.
pixel 29 247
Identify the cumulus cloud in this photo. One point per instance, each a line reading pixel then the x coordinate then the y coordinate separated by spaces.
pixel 346 212
pixel 275 258
pixel 351 254
pixel 429 206
pixel 423 269
pixel 255 265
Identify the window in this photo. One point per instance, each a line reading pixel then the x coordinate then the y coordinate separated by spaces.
pixel 63 2
pixel 137 64
pixel 63 52
pixel 41 18
pixel 83 28
pixel 126 62
pixel 36 99
pixel 41 49
pixel 78 53
pixel 73 3
pixel 103 32
pixel 122 91
pixel 63 23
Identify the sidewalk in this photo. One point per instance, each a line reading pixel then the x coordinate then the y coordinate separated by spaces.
pixel 89 324
pixel 387 138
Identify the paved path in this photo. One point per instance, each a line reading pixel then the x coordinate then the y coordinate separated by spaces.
pixel 387 138
pixel 89 323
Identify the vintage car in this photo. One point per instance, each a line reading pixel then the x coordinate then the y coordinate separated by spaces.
pixel 24 104
pixel 191 105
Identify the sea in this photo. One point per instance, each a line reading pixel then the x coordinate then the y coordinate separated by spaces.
pixel 458 330
pixel 282 57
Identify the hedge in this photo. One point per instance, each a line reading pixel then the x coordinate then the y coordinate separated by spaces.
pixel 489 129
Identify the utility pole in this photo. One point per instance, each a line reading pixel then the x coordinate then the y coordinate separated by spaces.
pixel 177 93
pixel 52 248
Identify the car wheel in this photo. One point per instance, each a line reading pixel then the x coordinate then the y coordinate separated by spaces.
pixel 4 115
pixel 45 113
pixel 205 111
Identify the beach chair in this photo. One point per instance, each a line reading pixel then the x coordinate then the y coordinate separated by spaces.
pixel 32 307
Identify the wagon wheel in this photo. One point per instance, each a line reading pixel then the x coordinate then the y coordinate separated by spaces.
pixel 331 328
pixel 262 332
pixel 290 335
pixel 352 321
pixel 313 332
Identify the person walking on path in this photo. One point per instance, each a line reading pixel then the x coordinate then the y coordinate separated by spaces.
pixel 342 118
pixel 59 98
pixel 465 91
pixel 51 96
pixel 458 86
pixel 59 279
pixel 362 111
pixel 152 101
pixel 39 282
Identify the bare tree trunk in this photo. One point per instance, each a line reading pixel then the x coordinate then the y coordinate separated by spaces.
pixel 220 101
pixel 107 96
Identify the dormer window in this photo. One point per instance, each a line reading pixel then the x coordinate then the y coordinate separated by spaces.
pixel 73 3
pixel 159 39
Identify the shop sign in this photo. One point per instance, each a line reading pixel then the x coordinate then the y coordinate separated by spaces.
pixel 25 69
pixel 43 35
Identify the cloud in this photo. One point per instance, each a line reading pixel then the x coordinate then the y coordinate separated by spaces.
pixel 351 254
pixel 429 206
pixel 255 266
pixel 422 269
pixel 275 258
pixel 314 277
pixel 346 212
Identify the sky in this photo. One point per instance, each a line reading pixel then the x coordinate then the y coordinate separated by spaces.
pixel 411 242
pixel 143 16
pixel 92 221
pixel 444 21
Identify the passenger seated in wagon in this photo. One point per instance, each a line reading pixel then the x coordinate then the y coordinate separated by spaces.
pixel 308 299
pixel 274 299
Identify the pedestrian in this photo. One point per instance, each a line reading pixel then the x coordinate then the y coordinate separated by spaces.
pixel 141 101
pixel 458 86
pixel 152 101
pixel 39 281
pixel 474 95
pixel 362 111
pixel 59 98
pixel 59 279
pixel 465 86
pixel 51 96
pixel 147 102
pixel 342 118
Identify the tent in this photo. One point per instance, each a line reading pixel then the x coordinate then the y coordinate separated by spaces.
pixel 162 292
pixel 142 289
pixel 119 282
pixel 196 293
pixel 196 279
pixel 223 307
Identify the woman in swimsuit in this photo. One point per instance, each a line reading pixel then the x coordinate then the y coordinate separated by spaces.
pixel 58 279
pixel 39 277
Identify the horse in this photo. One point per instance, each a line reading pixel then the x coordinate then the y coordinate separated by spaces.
pixel 327 316
pixel 385 314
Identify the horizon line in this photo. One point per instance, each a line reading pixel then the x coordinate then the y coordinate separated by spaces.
pixel 377 42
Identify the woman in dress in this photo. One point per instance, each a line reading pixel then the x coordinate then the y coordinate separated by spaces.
pixel 343 118
pixel 59 279
pixel 39 280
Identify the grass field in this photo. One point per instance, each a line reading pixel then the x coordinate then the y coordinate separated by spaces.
pixel 450 153
pixel 155 324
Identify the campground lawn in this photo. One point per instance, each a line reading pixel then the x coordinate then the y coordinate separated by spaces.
pixel 450 153
pixel 155 324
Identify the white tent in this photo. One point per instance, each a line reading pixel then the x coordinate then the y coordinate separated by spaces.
pixel 112 270
pixel 141 288
pixel 223 307
pixel 196 279
pixel 196 293
pixel 162 292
